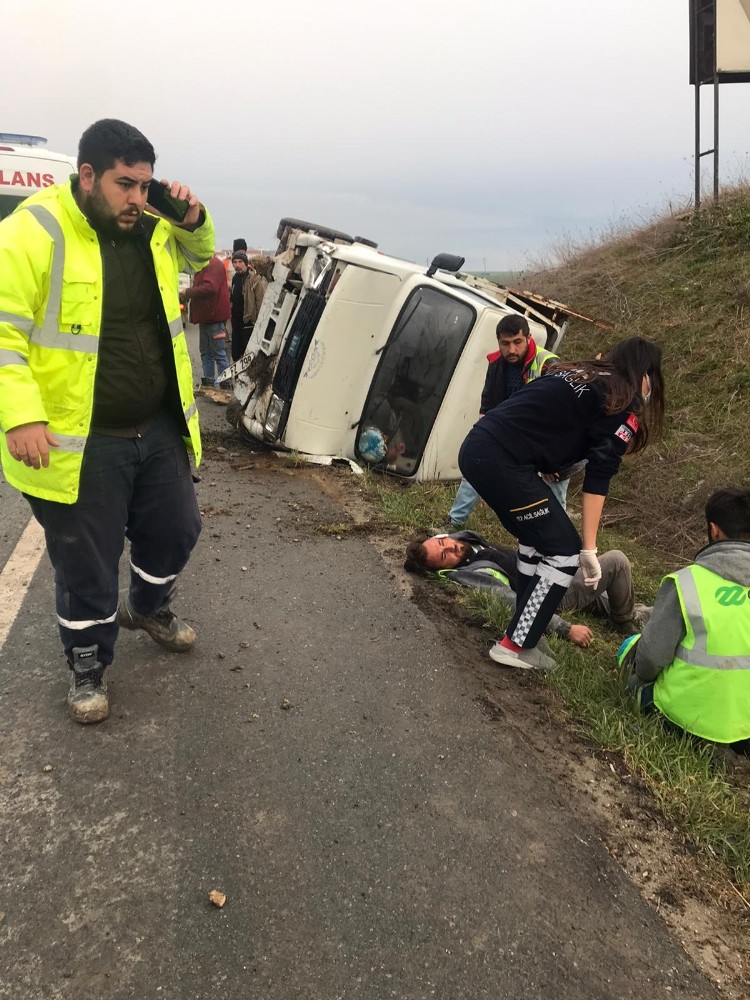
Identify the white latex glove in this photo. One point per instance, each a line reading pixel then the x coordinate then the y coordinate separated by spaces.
pixel 592 571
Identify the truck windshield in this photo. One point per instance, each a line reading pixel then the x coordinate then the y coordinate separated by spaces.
pixel 414 373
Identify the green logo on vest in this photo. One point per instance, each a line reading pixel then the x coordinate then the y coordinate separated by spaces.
pixel 730 597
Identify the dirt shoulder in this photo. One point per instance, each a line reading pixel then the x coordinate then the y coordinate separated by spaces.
pixel 704 911
pixel 709 918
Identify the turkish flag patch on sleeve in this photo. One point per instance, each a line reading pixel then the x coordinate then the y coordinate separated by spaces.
pixel 632 422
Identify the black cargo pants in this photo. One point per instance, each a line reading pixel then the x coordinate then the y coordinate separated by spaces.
pixel 548 543
pixel 140 488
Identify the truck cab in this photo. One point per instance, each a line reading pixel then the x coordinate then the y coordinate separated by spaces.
pixel 26 167
pixel 362 356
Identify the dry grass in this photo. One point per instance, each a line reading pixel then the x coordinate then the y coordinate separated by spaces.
pixel 683 280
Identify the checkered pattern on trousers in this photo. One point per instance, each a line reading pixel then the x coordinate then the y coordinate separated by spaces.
pixel 547 575
pixel 531 610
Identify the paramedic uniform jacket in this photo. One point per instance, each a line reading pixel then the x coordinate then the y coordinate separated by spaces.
pixel 559 420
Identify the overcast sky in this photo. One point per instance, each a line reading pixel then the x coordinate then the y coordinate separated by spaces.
pixel 490 128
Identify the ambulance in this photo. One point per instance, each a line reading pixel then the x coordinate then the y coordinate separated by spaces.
pixel 26 167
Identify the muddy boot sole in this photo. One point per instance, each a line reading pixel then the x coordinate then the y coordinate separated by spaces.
pixel 172 634
pixel 87 706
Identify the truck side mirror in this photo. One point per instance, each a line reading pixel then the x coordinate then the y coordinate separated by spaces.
pixel 445 262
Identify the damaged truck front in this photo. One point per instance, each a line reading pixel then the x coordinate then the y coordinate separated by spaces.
pixel 360 356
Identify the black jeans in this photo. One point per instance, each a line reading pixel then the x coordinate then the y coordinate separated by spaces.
pixel 140 488
pixel 548 543
pixel 240 337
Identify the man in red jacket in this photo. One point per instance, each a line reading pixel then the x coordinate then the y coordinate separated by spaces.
pixel 209 308
pixel 516 362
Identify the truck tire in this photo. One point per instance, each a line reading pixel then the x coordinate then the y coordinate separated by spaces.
pixel 324 231
pixel 366 242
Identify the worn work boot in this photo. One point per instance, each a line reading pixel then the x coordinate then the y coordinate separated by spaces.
pixel 447 528
pixel 87 699
pixel 163 626
pixel 642 615
pixel 527 659
pixel 641 618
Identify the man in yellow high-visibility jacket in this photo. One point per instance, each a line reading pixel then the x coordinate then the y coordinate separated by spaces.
pixel 692 662
pixel 96 393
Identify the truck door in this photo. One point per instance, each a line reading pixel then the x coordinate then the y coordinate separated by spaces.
pixel 414 372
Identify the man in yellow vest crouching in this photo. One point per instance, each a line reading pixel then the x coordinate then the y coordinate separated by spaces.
pixel 96 393
pixel 692 662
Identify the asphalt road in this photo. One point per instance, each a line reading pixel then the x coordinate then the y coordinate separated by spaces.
pixel 322 759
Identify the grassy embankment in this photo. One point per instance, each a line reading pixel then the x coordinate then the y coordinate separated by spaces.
pixel 685 282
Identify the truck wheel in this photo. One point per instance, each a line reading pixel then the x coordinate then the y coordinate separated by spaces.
pixel 234 412
pixel 324 231
pixel 366 242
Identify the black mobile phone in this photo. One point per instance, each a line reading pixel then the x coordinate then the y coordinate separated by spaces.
pixel 160 199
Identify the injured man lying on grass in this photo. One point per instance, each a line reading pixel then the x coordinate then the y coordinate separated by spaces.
pixel 467 558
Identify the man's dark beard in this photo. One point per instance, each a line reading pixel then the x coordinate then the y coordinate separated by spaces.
pixel 97 211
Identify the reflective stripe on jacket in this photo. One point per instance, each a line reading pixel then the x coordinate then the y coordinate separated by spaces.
pixel 494 391
pixel 540 359
pixel 50 319
pixel 706 688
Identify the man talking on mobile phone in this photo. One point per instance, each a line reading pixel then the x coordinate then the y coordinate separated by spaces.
pixel 96 395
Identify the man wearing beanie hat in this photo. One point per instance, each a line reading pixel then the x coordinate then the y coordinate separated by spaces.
pixel 248 289
pixel 239 244
pixel 237 296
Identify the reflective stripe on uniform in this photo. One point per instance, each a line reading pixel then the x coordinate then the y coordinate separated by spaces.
pixel 538 362
pixel 12 358
pixel 70 442
pixel 152 579
pixel 194 258
pixel 699 655
pixel 558 569
pixel 191 411
pixel 79 626
pixel 22 323
pixel 175 327
pixel 49 333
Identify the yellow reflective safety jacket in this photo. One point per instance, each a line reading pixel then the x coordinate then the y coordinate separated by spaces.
pixel 50 319
pixel 706 688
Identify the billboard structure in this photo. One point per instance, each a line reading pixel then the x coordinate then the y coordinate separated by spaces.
pixel 719 53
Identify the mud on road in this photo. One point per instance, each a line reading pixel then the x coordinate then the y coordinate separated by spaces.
pixel 709 918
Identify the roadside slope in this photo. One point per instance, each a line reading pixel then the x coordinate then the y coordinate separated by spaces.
pixel 683 281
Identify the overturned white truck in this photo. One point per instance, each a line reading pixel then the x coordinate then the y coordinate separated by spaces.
pixel 360 356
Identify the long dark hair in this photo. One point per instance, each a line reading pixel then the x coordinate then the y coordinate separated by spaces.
pixel 621 372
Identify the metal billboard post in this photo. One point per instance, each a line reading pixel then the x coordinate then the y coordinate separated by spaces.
pixel 702 70
pixel 716 136
pixel 719 53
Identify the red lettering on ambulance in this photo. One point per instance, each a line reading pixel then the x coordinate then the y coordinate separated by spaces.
pixel 27 180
